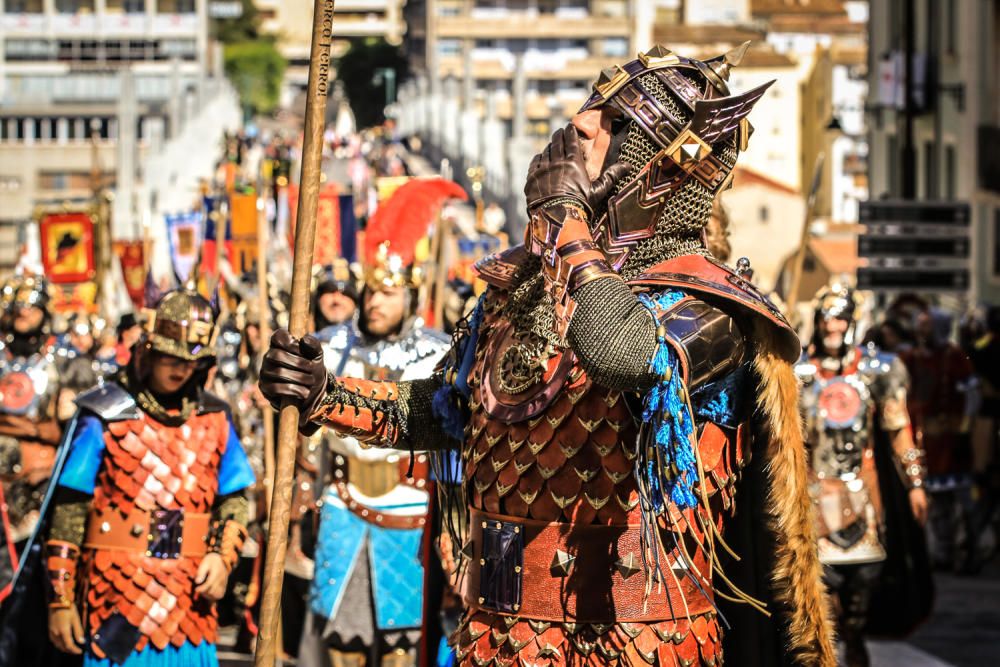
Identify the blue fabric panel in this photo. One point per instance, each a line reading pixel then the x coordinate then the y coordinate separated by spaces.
pixel 397 577
pixel 235 472
pixel 724 401
pixel 85 455
pixel 338 545
pixel 188 655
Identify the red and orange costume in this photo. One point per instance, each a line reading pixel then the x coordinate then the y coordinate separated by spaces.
pixel 620 402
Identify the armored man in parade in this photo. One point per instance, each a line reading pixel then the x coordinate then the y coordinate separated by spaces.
pixel 148 515
pixel 850 394
pixel 30 394
pixel 625 406
pixel 366 597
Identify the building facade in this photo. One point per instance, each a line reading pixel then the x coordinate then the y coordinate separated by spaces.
pixel 91 91
pixel 954 117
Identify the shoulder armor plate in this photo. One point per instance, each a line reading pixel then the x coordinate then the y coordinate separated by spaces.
pixel 110 402
pixel 499 268
pixel 211 403
pixel 706 278
pixel 709 338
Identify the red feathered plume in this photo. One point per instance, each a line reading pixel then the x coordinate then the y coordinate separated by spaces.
pixel 406 217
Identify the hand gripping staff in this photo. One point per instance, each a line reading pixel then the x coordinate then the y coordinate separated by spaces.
pixel 305 236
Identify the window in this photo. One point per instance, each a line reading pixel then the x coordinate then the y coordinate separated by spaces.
pixel 614 47
pixel 950 26
pixel 893 157
pixel 930 171
pixel 449 47
pixel 950 175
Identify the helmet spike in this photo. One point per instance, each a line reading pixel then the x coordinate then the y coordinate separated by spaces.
pixel 728 60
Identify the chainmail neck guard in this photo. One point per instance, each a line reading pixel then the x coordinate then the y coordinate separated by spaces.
pixel 679 229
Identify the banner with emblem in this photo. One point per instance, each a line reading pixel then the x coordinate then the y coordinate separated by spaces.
pixel 328 245
pixel 131 254
pixel 67 246
pixel 185 239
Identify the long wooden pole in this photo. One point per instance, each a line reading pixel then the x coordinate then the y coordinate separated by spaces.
pixel 305 238
pixel 792 298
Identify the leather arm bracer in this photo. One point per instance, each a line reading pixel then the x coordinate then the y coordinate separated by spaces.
pixel 367 410
pixel 60 564
pixel 226 539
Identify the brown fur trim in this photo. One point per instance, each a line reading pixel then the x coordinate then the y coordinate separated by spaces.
pixel 797 576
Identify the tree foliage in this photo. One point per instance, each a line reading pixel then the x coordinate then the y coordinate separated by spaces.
pixel 256 70
pixel 359 71
pixel 253 63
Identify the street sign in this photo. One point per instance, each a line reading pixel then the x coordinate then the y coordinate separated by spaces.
pixel 920 246
pixel 909 280
pixel 957 214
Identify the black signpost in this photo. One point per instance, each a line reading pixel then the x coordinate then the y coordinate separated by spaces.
pixel 914 246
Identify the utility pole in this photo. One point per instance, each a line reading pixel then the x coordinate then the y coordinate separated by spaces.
pixel 909 155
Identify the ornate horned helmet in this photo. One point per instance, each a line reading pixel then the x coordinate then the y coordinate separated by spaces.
pixel 685 132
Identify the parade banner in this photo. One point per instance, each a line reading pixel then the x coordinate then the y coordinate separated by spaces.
pixel 213 213
pixel 79 298
pixel 243 231
pixel 184 235
pixel 67 247
pixel 328 245
pixel 131 254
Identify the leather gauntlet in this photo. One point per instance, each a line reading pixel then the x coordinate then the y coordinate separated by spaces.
pixel 913 467
pixel 227 540
pixel 60 562
pixel 559 233
pixel 368 410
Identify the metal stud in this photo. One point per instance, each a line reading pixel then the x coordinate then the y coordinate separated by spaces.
pixel 561 564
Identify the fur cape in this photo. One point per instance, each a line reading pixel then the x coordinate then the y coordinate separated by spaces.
pixel 779 564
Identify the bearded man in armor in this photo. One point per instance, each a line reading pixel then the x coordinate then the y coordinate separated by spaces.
pixel 849 393
pixel 366 594
pixel 624 406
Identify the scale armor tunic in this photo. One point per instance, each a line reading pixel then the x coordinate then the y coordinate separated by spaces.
pixel 553 565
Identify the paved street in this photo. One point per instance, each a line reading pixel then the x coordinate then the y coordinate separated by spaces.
pixel 964 630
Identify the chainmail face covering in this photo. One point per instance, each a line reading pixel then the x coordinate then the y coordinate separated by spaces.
pixel 678 231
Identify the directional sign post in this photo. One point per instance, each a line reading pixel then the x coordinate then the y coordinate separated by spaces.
pixel 914 246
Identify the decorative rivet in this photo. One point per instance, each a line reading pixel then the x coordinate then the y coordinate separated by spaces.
pixel 137 530
pixel 105 527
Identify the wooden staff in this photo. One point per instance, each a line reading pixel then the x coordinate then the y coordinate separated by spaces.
pixel 305 237
pixel 792 298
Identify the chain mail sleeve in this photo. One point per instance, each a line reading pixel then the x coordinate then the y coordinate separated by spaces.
pixel 617 335
pixel 384 414
pixel 613 335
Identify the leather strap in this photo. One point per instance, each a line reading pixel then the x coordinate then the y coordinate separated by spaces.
pixel 606 580
pixel 376 516
pixel 111 531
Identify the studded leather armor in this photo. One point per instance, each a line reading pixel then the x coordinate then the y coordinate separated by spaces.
pixel 148 529
pixel 556 569
pixel 843 401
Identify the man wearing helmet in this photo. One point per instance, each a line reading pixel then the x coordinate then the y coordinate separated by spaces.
pixel 363 609
pixel 31 390
pixel 335 300
pixel 601 395
pixel 849 393
pixel 148 516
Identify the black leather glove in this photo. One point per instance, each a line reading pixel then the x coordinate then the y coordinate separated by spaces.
pixel 560 172
pixel 293 372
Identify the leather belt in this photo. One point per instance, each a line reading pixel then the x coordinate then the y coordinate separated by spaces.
pixel 562 572
pixel 158 534
pixel 376 516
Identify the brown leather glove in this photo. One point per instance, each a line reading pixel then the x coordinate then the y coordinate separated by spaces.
pixel 560 172
pixel 293 372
